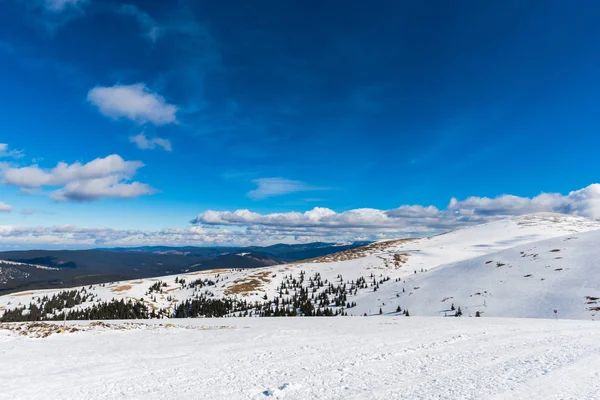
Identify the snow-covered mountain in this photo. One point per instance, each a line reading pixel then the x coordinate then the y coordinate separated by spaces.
pixel 302 358
pixel 530 280
pixel 524 266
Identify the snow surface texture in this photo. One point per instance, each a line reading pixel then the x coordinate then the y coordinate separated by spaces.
pixel 524 266
pixel 309 358
pixel 533 280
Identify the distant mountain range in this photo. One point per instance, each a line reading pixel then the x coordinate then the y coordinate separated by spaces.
pixel 284 252
pixel 40 269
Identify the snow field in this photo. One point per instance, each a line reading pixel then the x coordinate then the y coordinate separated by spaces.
pixel 302 358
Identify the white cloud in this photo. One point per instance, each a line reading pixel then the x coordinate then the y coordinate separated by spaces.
pixel 60 5
pixel 35 177
pixel 5 207
pixel 5 152
pixel 407 219
pixel 142 142
pixel 98 188
pixel 135 102
pixel 413 212
pixel 317 217
pixel 269 187
pixel 584 202
pixel 106 177
pixel 72 236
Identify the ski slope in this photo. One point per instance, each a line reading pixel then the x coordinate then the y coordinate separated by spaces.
pixel 309 358
pixel 444 269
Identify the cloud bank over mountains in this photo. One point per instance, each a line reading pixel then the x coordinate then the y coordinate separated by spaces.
pixel 244 227
pixel 417 218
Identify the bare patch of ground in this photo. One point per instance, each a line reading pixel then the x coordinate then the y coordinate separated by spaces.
pixel 39 330
pixel 23 294
pixel 209 271
pixel 249 284
pixel 122 288
pixel 360 252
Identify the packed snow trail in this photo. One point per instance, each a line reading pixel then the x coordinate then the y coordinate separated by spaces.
pixel 303 358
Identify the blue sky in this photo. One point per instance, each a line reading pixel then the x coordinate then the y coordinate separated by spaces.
pixel 193 110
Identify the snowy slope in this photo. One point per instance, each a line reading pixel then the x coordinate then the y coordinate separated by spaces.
pixel 397 260
pixel 309 358
pixel 524 281
pixel 494 236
